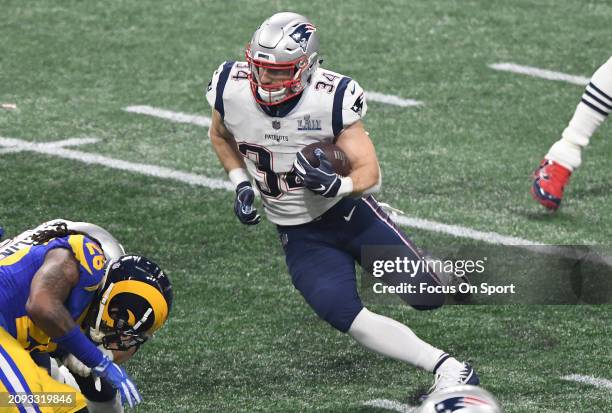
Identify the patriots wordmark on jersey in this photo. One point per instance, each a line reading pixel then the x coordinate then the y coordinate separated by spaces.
pixel 329 103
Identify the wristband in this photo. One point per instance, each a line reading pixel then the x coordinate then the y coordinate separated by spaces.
pixel 238 176
pixel 75 342
pixel 346 186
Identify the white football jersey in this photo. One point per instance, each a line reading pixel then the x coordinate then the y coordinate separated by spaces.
pixel 329 103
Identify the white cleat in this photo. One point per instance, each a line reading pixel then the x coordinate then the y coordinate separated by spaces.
pixel 452 373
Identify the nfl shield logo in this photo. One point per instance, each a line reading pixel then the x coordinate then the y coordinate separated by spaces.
pixel 276 124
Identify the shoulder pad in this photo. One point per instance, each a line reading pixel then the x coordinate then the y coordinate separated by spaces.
pixel 349 105
pixel 216 86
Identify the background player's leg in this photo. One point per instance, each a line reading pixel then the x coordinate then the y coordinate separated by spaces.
pixel 594 107
pixel 565 155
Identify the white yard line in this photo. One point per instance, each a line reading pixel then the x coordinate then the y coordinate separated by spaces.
pixel 541 73
pixel 390 405
pixel 390 99
pixel 9 150
pixel 16 145
pixel 178 117
pixel 71 142
pixel 95 159
pixel 213 183
pixel 462 232
pixel 204 121
pixel 593 381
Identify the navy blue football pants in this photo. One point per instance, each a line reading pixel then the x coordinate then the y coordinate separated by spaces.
pixel 321 258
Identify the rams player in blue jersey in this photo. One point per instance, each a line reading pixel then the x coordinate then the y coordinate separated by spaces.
pixel 66 288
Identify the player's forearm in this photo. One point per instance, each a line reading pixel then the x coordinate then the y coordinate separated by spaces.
pixel 226 152
pixel 50 315
pixel 365 178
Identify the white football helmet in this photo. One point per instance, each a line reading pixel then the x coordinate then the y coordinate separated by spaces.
pixel 282 56
pixel 461 399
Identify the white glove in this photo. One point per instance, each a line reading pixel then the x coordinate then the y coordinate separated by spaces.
pixel 77 367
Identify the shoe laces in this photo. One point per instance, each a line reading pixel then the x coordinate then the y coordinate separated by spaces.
pixel 445 379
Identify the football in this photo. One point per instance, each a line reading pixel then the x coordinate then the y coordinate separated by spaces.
pixel 340 162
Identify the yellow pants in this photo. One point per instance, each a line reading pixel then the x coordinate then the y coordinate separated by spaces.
pixel 21 379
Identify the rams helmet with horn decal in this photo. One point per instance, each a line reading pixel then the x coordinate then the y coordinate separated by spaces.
pixel 133 302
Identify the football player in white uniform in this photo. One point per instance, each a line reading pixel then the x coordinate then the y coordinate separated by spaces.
pixel 267 109
pixel 566 154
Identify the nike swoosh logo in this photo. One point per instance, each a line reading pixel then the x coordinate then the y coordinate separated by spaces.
pixel 321 188
pixel 348 217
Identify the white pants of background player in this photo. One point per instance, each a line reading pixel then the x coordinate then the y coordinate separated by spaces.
pixel 594 107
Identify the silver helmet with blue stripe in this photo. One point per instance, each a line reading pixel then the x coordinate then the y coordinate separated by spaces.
pixel 282 56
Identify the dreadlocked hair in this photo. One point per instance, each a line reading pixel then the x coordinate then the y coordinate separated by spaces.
pixel 57 230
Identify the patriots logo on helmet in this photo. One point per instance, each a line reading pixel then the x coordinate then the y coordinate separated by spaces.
pixel 457 404
pixel 301 34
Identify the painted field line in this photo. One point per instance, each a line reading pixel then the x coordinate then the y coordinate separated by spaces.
pixel 390 99
pixel 17 145
pixel 95 159
pixel 204 121
pixel 71 142
pixel 213 183
pixel 541 73
pixel 462 232
pixel 390 405
pixel 498 239
pixel 178 117
pixel 9 150
pixel 593 381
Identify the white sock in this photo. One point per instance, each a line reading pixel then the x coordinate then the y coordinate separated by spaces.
pixel 447 363
pixel 390 338
pixel 594 107
pixel 565 153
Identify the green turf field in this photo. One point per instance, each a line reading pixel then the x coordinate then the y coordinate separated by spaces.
pixel 240 338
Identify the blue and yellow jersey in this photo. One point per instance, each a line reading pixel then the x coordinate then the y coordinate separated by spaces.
pixel 20 376
pixel 17 268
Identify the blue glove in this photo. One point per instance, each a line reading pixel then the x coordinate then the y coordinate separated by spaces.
pixel 243 205
pixel 119 379
pixel 322 180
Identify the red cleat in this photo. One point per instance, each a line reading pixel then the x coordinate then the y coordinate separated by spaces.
pixel 549 180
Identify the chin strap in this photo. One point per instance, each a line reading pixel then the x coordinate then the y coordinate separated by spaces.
pixel 95 332
pixel 143 319
pixel 272 97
